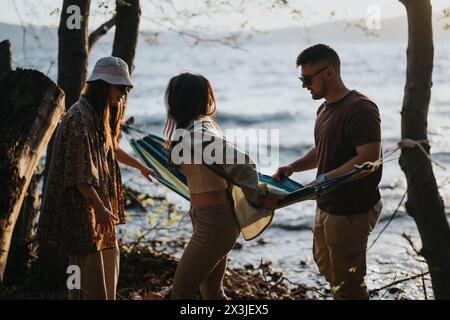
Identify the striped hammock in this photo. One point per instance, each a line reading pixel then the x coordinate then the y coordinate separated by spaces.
pixel 150 149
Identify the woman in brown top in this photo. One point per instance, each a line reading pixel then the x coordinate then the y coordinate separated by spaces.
pixel 189 97
pixel 83 197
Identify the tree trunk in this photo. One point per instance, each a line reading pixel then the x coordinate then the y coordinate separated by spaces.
pixel 127 29
pixel 5 57
pixel 31 106
pixel 424 203
pixel 73 49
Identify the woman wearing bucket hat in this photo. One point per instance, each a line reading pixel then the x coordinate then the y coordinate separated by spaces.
pixel 83 197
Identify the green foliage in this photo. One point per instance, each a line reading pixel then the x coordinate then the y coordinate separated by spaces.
pixel 155 226
pixel 153 219
pixel 446 18
pixel 128 216
pixel 352 270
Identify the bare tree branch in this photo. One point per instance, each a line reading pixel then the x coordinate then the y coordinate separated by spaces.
pixel 424 288
pixel 101 31
pixel 229 40
pixel 265 279
pixel 411 243
pixel 400 281
pixel 184 21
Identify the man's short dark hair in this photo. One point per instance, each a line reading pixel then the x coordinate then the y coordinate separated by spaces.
pixel 319 53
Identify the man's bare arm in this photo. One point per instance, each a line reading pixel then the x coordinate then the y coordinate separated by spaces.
pixel 307 162
pixel 370 152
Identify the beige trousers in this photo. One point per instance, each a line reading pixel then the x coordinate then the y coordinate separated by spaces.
pixel 99 275
pixel 339 249
pixel 204 261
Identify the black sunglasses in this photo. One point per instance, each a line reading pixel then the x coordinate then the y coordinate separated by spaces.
pixel 124 89
pixel 306 79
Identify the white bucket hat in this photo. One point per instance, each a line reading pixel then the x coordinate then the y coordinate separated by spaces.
pixel 112 70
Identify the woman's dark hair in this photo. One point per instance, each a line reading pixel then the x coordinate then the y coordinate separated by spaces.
pixel 187 97
pixel 97 94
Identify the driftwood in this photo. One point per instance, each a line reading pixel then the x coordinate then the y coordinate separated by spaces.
pixel 31 106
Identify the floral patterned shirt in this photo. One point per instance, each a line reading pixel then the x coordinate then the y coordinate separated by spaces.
pixel 79 156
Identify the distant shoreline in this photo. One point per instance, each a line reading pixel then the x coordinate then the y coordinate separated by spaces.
pixel 392 29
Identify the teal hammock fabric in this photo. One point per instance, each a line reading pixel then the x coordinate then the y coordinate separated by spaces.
pixel 150 149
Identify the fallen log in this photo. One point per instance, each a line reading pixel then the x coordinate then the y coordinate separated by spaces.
pixel 31 106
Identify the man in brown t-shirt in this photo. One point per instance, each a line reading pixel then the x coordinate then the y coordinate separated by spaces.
pixel 347 133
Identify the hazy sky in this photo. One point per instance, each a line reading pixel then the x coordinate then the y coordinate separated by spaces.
pixel 253 13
